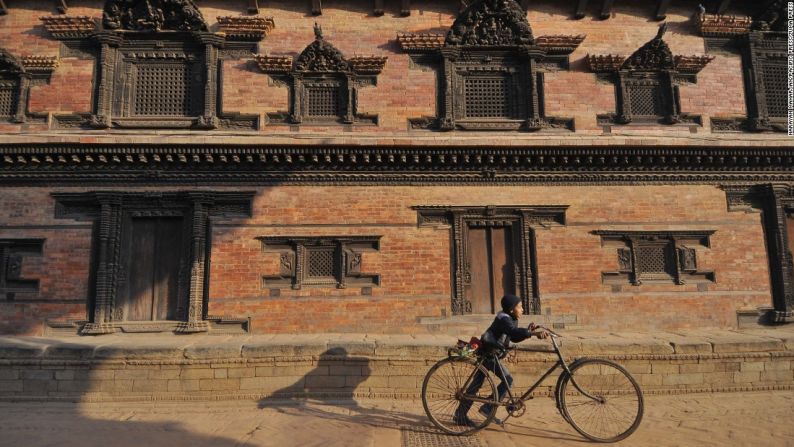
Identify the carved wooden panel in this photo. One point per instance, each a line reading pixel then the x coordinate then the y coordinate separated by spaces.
pixel 489 96
pixel 646 99
pixel 324 101
pixel 327 261
pixel 656 256
pixel 13 285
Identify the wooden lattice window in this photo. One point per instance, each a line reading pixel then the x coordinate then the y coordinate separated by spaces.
pixel 165 90
pixel 320 262
pixel 488 97
pixel 8 97
pixel 775 89
pixel 324 101
pixel 655 261
pixel 13 286
pixel 651 256
pixel 646 100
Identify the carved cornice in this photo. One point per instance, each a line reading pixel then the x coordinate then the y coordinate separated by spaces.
pixel 46 164
pixel 691 64
pixel 40 64
pixel 560 44
pixel 491 23
pixel 420 42
pixel 716 25
pixel 604 63
pixel 245 28
pixel 321 57
pixel 368 64
pixel 153 15
pixel 66 27
pixel 274 64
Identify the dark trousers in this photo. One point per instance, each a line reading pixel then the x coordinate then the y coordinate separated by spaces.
pixel 476 382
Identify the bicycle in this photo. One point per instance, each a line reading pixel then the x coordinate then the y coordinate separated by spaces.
pixel 598 397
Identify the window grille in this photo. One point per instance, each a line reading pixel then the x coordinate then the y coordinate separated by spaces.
pixel 646 100
pixel 321 263
pixel 774 76
pixel 8 94
pixel 487 97
pixel 323 101
pixel 164 90
pixel 655 262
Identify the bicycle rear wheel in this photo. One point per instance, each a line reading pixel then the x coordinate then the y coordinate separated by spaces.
pixel 444 398
pixel 605 403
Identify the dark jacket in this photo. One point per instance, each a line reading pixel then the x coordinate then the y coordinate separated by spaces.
pixel 505 327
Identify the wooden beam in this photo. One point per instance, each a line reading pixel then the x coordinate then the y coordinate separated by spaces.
pixel 317 7
pixel 661 9
pixel 723 6
pixel 606 9
pixel 405 8
pixel 3 8
pixel 581 9
pixel 253 6
pixel 378 10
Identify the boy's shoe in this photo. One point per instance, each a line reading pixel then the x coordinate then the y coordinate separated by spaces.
pixel 463 420
pixel 485 411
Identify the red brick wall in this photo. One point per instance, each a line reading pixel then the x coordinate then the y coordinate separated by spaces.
pixel 402 92
pixel 414 262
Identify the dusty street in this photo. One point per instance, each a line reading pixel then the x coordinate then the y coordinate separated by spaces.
pixel 730 419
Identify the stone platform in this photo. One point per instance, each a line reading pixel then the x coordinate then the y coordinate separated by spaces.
pixel 196 367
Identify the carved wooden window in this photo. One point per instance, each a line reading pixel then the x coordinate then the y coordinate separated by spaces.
pixel 12 255
pixel 774 80
pixel 325 100
pixel 645 98
pixel 490 69
pixel 323 84
pixel 489 96
pixel 151 243
pixel 8 97
pixel 648 256
pixel 647 83
pixel 320 261
pixel 17 76
pixel 158 64
pixel 167 89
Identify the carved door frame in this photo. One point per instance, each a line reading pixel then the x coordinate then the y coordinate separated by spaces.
pixel 527 220
pixel 111 209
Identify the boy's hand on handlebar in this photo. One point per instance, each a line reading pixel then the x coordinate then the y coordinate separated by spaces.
pixel 538 331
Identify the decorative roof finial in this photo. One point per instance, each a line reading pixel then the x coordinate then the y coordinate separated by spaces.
pixel 662 30
pixel 318 31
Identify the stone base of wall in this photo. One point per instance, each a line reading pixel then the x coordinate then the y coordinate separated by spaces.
pixel 351 366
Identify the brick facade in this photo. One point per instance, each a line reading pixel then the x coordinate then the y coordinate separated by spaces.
pixel 414 262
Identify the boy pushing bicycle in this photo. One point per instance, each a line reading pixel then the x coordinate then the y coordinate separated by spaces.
pixel 497 337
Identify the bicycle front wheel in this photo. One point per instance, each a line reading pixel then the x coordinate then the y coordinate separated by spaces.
pixel 452 408
pixel 601 400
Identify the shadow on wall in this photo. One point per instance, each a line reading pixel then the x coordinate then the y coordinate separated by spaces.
pixel 330 391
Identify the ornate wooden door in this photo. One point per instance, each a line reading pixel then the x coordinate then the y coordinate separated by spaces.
pixel 491 260
pixel 152 251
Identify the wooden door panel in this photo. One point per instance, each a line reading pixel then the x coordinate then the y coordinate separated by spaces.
pixel 166 271
pixel 503 281
pixel 141 256
pixel 480 288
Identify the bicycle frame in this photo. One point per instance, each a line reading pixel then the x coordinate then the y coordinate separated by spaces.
pixel 527 395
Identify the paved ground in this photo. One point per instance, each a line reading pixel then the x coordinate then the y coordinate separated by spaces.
pixel 729 419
